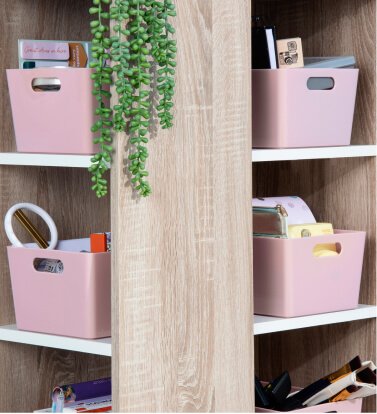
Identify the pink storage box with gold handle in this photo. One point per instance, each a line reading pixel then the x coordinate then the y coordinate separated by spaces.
pixel 55 121
pixel 290 281
pixel 76 302
pixel 287 114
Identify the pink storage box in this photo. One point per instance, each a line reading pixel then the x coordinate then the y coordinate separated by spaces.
pixel 287 114
pixel 290 281
pixel 74 303
pixel 351 406
pixel 56 122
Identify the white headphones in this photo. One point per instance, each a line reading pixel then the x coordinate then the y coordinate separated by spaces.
pixel 42 213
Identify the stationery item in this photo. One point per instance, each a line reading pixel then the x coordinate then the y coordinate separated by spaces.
pixel 42 213
pixel 57 400
pixel 262 399
pixel 297 231
pixel 28 225
pixel 343 382
pixel 49 265
pixel 101 404
pixel 32 64
pixel 279 388
pixel 264 46
pixel 100 242
pixel 367 378
pixel 46 85
pixel 298 400
pixel 86 390
pixel 270 222
pixel 94 405
pixel 48 53
pixel 297 210
pixel 325 249
pixel 337 62
pixel 290 54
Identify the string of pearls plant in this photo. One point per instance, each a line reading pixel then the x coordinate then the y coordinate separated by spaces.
pixel 142 40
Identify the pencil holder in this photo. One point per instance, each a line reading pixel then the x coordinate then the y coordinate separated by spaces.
pixel 76 301
pixel 53 110
pixel 289 280
pixel 295 108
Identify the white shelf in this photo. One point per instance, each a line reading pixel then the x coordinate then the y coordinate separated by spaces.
pixel 10 333
pixel 291 154
pixel 45 160
pixel 268 324
pixel 259 155
pixel 262 325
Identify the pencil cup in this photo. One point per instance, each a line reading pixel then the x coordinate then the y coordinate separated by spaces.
pixel 303 107
pixel 290 280
pixel 74 301
pixel 53 110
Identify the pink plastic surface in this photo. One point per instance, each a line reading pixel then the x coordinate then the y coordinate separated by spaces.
pixel 74 303
pixel 286 114
pixel 290 281
pixel 53 122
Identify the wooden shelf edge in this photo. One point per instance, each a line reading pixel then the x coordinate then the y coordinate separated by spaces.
pixel 268 324
pixel 292 154
pixel 10 333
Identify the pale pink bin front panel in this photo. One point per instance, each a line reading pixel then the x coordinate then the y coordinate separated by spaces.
pixel 75 303
pixel 53 122
pixel 290 281
pixel 286 114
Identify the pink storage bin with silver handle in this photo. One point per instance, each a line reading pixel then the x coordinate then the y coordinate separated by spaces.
pixel 290 281
pixel 351 406
pixel 287 114
pixel 76 302
pixel 55 121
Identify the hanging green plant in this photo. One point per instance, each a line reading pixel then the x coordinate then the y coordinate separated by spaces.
pixel 142 39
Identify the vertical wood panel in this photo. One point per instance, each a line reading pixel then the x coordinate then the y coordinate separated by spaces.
pixel 182 334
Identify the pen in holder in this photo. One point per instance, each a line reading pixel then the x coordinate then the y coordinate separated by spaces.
pixel 31 229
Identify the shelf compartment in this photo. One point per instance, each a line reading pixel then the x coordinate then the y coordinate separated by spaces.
pixel 292 154
pixel 10 333
pixel 268 324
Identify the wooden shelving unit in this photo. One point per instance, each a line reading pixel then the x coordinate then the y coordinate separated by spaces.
pixel 182 260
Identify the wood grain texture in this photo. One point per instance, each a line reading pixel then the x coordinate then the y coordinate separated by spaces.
pixel 27 372
pixel 339 191
pixel 182 258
